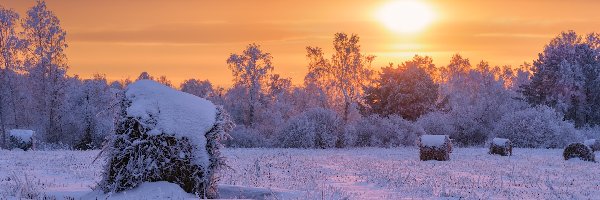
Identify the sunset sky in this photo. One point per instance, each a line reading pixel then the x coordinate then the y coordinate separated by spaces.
pixel 192 39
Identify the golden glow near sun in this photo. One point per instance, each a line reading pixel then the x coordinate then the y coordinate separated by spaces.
pixel 406 16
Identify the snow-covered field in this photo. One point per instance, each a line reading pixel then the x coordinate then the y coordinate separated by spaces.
pixel 369 173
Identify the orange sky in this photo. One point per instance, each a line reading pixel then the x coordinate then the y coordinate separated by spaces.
pixel 192 39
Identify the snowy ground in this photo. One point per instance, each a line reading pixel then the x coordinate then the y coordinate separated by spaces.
pixel 328 174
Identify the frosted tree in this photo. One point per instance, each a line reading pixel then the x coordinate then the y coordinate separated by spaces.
pixel 566 77
pixel 478 101
pixel 457 68
pixel 250 70
pixel 165 81
pixel 91 112
pixel 537 127
pixel 278 105
pixel 317 82
pixel 10 48
pixel 203 89
pixel 47 64
pixel 343 77
pixel 472 100
pixel 406 90
pixel 145 76
pixel 280 98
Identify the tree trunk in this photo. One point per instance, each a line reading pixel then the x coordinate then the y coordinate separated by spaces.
pixel 2 126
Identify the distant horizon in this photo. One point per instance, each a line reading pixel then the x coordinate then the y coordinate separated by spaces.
pixel 192 39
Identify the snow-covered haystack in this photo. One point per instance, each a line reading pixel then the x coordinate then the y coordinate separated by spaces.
pixel 435 147
pixel 20 138
pixel 579 150
pixel 165 135
pixel 594 144
pixel 501 146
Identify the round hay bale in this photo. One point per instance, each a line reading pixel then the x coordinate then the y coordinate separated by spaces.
pixel 501 146
pixel 21 139
pixel 435 147
pixel 579 150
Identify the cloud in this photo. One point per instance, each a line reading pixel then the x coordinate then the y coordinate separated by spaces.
pixel 205 33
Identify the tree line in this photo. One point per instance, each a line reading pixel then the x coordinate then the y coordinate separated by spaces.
pixel 343 101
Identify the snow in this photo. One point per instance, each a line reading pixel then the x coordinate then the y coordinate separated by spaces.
pixel 589 142
pixel 23 135
pixel 500 141
pixel 166 190
pixel 433 140
pixel 364 173
pixel 169 111
pixel 147 190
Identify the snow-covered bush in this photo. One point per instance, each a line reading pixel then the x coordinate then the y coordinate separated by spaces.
pixel 578 150
pixel 315 128
pixel 20 138
pixel 470 128
pixel 165 135
pixel 244 137
pixel 461 124
pixel 436 123
pixel 391 131
pixel 537 127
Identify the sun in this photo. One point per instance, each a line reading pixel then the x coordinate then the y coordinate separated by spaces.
pixel 406 16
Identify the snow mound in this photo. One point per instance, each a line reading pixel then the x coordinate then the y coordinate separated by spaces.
pixel 589 142
pixel 146 190
pixel 500 141
pixel 433 140
pixel 21 134
pixel 167 190
pixel 172 112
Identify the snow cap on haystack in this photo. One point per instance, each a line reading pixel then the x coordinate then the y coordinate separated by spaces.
pixel 168 111
pixel 433 140
pixel 21 134
pixel 500 141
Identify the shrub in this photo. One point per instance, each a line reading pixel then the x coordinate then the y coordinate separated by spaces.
pixel 436 123
pixel 391 131
pixel 315 128
pixel 578 150
pixel 244 137
pixel 537 127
